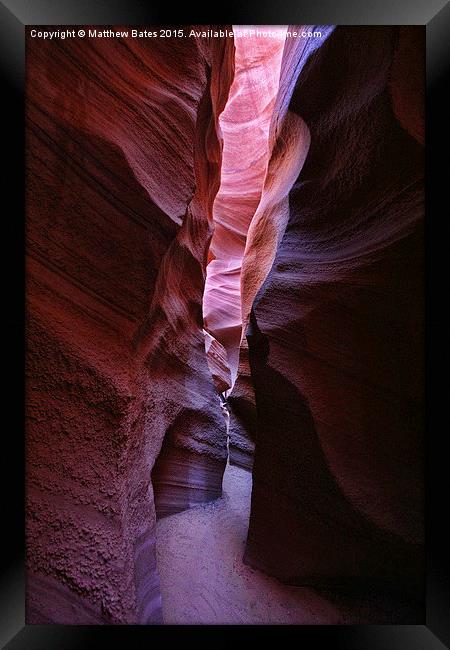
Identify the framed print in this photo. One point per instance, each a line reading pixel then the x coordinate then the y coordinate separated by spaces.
pixel 230 255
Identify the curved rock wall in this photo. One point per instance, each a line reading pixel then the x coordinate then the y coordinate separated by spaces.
pixel 336 331
pixel 123 164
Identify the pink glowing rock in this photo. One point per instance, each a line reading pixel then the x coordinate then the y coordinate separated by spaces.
pixel 288 143
pixel 245 126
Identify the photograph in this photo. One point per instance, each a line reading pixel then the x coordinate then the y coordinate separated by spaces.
pixel 224 325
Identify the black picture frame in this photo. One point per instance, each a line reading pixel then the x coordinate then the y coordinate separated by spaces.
pixel 15 15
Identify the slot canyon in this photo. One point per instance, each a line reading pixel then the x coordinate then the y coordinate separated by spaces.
pixel 224 393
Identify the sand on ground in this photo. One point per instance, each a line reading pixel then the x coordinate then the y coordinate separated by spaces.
pixel 203 578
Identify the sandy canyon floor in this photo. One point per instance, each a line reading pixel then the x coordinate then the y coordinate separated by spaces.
pixel 203 578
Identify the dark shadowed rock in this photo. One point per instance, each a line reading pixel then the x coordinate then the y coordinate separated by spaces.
pixel 336 343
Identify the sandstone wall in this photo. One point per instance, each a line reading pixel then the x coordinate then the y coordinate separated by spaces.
pixel 336 331
pixel 123 164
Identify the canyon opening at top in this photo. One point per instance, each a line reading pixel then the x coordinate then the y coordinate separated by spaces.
pixel 245 124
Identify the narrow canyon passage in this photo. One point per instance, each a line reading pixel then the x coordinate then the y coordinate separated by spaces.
pixel 245 124
pixel 200 550
pixel 203 579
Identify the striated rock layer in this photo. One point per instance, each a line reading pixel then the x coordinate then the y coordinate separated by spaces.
pixel 336 331
pixel 217 358
pixel 123 164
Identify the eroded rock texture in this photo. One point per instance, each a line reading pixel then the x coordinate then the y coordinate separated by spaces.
pixel 336 332
pixel 123 164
